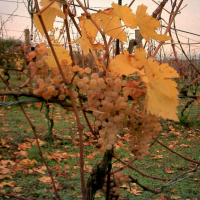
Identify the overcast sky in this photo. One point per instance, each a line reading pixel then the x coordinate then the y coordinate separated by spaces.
pixel 187 20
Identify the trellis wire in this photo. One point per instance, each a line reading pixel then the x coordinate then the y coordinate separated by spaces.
pixel 164 186
pixel 22 101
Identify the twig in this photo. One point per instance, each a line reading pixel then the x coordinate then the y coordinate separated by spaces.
pixel 14 196
pixel 29 78
pixel 186 106
pixel 143 174
pixel 88 123
pixel 131 3
pixel 173 46
pixel 159 8
pixel 198 163
pixel 43 9
pixel 121 168
pixel 168 27
pixel 68 36
pixel 143 186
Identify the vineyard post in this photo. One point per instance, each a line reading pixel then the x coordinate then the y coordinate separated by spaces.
pixel 27 45
pixel 117 42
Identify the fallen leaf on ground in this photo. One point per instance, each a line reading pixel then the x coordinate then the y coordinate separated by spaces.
pixel 169 171
pixel 11 184
pixel 175 197
pixel 162 197
pixel 155 157
pixel 17 189
pixel 173 190
pixel 24 146
pixel 28 162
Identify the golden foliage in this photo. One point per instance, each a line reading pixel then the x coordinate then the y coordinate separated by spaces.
pixel 61 54
pixel 148 25
pixel 48 15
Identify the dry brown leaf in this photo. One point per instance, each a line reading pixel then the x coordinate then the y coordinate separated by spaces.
pixel 17 189
pixel 169 171
pixel 11 184
pixel 24 146
pixel 175 197
pixel 162 197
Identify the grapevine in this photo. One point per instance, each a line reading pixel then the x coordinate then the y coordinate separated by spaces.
pixel 119 93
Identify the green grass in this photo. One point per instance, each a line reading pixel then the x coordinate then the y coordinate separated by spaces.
pixel 182 136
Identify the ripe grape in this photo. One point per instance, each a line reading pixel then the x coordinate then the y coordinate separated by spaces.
pixel 109 146
pixel 85 80
pixel 88 70
pixel 41 85
pixel 94 76
pixel 39 64
pixel 42 44
pixel 40 50
pixel 100 81
pixel 55 70
pixel 31 55
pixel 64 62
pixel 61 96
pixel 75 68
pixel 80 84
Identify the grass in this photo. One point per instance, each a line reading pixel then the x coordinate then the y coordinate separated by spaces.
pixel 31 179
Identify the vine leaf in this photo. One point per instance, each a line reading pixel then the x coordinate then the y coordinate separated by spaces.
pixel 161 98
pixel 90 29
pixel 88 46
pixel 148 25
pixel 124 64
pixel 112 25
pixel 125 13
pixel 61 54
pixel 48 15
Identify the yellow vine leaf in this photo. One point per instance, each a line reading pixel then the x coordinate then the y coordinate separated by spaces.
pixel 48 15
pixel 62 53
pixel 124 64
pixel 90 29
pixel 148 25
pixel 111 24
pixel 88 46
pixel 162 98
pixel 125 13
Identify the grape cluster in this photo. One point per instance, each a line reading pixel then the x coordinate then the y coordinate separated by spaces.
pixel 108 95
pixel 50 83
pixel 116 181
pixel 143 127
